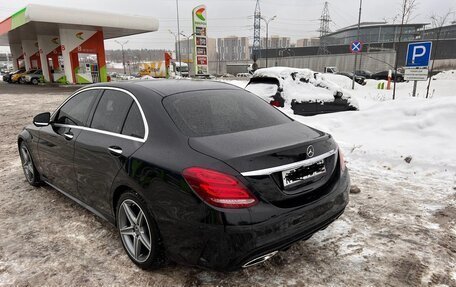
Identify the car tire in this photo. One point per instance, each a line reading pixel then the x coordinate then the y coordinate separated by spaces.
pixel 138 231
pixel 35 81
pixel 31 173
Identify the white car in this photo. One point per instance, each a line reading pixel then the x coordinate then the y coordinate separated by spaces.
pixel 305 91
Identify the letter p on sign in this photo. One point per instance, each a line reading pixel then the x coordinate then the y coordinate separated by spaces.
pixel 418 51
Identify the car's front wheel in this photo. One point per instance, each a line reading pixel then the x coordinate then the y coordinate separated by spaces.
pixel 35 81
pixel 138 231
pixel 30 172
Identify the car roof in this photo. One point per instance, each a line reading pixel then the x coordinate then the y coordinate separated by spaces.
pixel 167 87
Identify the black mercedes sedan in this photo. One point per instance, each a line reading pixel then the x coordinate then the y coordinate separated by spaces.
pixel 197 172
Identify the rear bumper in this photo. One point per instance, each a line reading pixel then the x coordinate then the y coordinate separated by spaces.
pixel 227 248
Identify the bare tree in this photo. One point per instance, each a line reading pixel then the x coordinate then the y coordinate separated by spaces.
pixel 437 22
pixel 407 9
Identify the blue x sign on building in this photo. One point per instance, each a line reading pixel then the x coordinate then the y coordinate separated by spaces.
pixel 418 54
pixel 356 46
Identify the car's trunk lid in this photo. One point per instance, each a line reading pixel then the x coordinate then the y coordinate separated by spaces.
pixel 261 155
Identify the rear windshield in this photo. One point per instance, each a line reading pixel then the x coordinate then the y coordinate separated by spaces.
pixel 215 112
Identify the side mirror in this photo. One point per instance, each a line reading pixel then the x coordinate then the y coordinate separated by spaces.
pixel 42 120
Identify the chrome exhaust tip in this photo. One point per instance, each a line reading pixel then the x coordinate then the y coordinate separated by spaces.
pixel 259 260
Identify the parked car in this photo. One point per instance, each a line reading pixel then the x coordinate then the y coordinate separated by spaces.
pixel 359 79
pixel 201 172
pixel 330 70
pixel 364 73
pixel 8 77
pixel 307 92
pixel 33 77
pixel 384 76
pixel 17 78
pixel 243 75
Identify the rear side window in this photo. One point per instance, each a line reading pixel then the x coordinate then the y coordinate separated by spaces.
pixel 134 124
pixel 76 110
pixel 207 113
pixel 111 111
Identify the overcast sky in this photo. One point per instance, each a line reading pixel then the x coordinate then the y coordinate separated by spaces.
pixel 295 18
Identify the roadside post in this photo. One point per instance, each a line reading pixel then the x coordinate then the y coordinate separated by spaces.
pixel 355 47
pixel 417 63
pixel 390 75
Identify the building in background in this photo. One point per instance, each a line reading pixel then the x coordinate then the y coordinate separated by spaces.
pixel 233 48
pixel 308 42
pixel 376 32
pixel 276 42
pixel 446 32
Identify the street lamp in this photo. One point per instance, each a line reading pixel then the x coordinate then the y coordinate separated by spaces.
pixel 175 39
pixel 178 36
pixel 267 21
pixel 177 44
pixel 123 54
pixel 188 45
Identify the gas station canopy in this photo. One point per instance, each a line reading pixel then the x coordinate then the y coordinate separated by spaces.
pixel 39 31
pixel 40 19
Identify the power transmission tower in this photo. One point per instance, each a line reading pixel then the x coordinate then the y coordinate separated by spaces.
pixel 324 30
pixel 257 31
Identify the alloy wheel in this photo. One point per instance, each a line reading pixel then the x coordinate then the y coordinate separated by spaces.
pixel 134 230
pixel 27 164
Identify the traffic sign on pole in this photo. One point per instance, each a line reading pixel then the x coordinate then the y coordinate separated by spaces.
pixel 417 61
pixel 418 54
pixel 356 46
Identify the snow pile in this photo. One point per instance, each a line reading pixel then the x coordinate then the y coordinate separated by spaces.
pixel 341 80
pixel 147 77
pixel 392 130
pixel 302 85
pixel 447 75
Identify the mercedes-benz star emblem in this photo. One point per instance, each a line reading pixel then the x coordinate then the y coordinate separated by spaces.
pixel 310 151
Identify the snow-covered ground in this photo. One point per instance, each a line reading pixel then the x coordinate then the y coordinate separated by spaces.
pixel 386 131
pixel 400 230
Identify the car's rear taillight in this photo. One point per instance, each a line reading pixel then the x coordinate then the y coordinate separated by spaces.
pixel 341 160
pixel 275 103
pixel 218 189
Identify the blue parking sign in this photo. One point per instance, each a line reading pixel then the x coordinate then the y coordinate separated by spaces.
pixel 418 54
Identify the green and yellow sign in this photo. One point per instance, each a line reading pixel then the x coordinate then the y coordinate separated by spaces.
pixel 200 61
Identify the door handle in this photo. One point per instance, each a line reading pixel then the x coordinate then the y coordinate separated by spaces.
pixel 115 150
pixel 68 135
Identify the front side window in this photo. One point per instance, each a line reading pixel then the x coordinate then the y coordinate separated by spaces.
pixel 111 111
pixel 76 110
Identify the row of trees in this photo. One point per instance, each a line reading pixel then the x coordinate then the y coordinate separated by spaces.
pixel 135 56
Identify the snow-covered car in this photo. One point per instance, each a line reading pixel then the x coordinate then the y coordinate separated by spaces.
pixel 305 91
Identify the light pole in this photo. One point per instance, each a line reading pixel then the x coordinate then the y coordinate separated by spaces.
pixel 175 39
pixel 267 21
pixel 178 36
pixel 357 39
pixel 7 61
pixel 123 54
pixel 188 45
pixel 176 45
